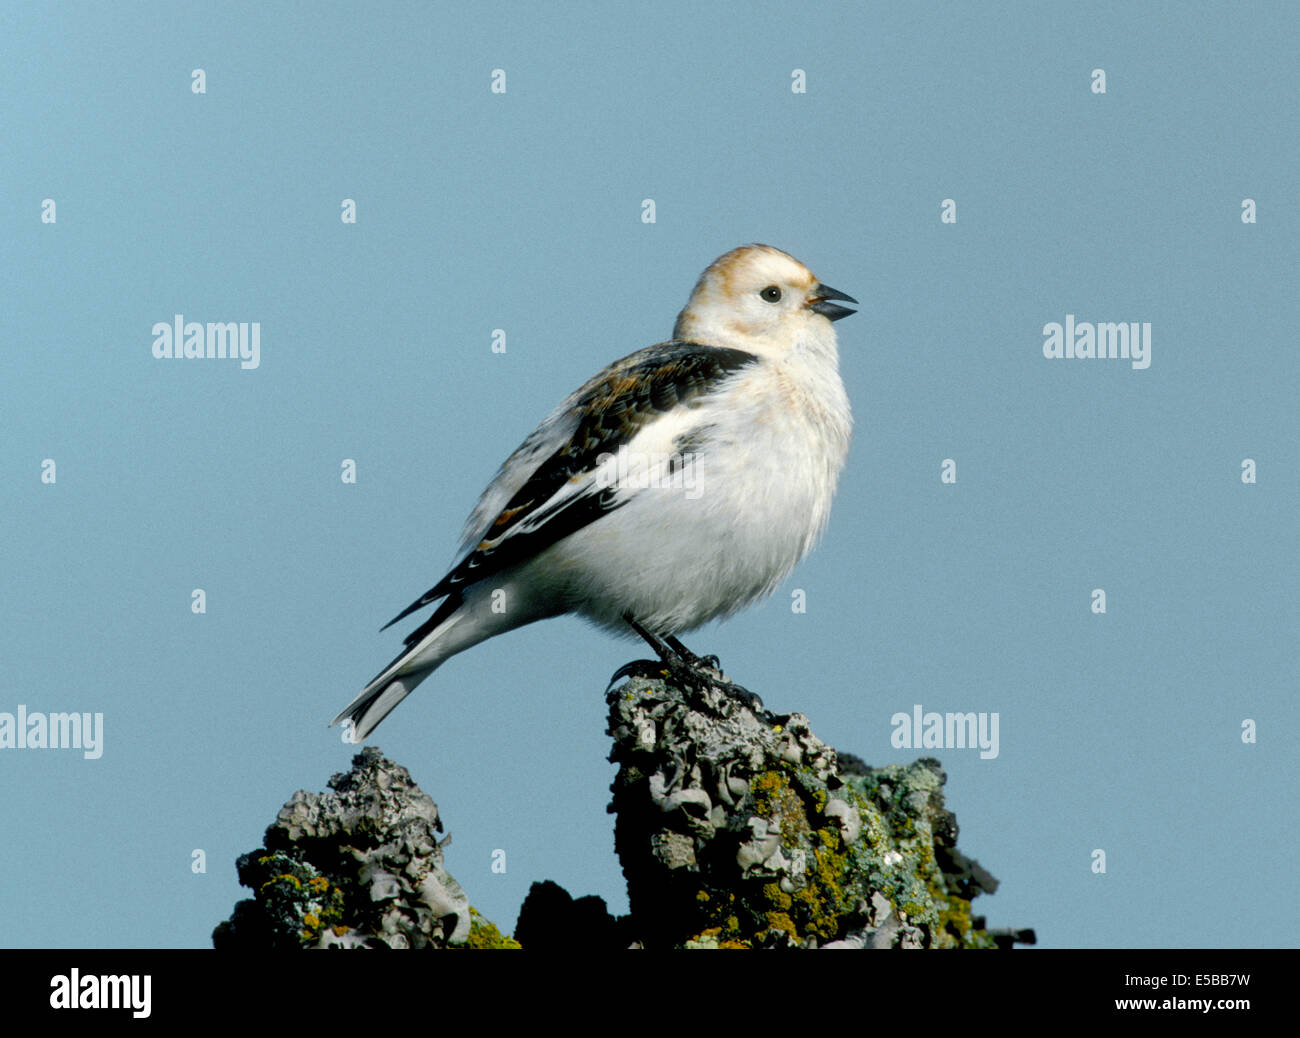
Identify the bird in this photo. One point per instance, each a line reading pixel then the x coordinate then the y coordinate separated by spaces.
pixel 679 485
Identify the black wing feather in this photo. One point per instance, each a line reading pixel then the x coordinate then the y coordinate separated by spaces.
pixel 612 408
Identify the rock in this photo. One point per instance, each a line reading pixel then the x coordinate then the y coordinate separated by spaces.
pixel 552 920
pixel 736 828
pixel 739 829
pixel 361 867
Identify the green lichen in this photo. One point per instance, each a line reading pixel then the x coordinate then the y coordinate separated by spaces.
pixel 814 886
pixel 816 908
pixel 297 902
pixel 484 935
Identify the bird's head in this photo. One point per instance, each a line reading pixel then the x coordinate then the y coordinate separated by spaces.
pixel 760 299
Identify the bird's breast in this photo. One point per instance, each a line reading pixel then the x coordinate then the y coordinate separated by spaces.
pixel 746 495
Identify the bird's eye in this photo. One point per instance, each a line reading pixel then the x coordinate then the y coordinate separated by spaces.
pixel 772 294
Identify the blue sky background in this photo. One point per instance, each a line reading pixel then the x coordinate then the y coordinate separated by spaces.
pixel 522 211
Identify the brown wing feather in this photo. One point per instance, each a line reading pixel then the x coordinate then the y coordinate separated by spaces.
pixel 611 409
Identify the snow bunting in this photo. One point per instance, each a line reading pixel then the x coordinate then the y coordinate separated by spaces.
pixel 680 484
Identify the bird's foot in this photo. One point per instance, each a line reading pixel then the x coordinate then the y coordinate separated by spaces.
pixel 703 676
pixel 708 662
pixel 685 668
pixel 653 669
pixel 696 676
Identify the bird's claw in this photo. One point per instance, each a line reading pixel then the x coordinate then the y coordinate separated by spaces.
pixel 701 674
pixel 692 672
pixel 637 669
pixel 750 699
pixel 696 675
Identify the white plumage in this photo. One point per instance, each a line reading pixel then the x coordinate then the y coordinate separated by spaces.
pixel 680 484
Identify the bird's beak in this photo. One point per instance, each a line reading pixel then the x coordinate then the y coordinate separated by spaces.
pixel 821 304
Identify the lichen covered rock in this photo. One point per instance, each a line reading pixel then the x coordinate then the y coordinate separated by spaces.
pixel 361 867
pixel 735 829
pixel 739 829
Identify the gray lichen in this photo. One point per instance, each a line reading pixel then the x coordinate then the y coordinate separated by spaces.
pixel 735 829
pixel 739 829
pixel 361 867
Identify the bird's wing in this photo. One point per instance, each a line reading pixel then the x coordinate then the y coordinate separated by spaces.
pixel 548 488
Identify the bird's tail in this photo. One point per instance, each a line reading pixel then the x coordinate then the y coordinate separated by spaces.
pixel 426 648
pixel 377 701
